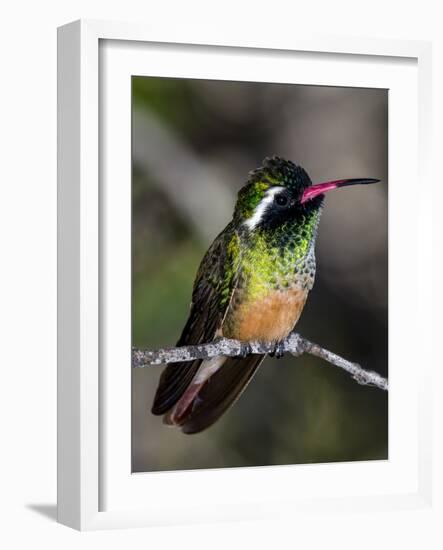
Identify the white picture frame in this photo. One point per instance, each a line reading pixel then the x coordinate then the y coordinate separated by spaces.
pixel 96 489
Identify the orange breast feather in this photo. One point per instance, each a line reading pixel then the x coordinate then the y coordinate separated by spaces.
pixel 267 319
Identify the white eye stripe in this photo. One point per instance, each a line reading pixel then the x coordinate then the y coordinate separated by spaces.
pixel 256 217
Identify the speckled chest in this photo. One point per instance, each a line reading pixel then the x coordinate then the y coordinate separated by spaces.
pixel 280 259
pixel 275 273
pixel 265 268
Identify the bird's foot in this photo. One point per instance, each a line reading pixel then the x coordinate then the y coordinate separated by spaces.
pixel 279 350
pixel 246 350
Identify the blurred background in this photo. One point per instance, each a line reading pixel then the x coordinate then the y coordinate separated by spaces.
pixel 194 142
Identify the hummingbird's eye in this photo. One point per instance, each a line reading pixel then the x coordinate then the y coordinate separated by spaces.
pixel 281 200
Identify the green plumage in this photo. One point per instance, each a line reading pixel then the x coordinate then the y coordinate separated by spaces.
pixel 252 284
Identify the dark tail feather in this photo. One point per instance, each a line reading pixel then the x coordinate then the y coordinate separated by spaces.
pixel 220 392
pixel 173 382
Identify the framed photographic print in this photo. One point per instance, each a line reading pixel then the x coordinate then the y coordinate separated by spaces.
pixel 235 225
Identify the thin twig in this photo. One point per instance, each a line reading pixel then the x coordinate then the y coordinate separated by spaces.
pixel 294 344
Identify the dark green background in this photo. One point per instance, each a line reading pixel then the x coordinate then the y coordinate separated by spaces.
pixel 295 410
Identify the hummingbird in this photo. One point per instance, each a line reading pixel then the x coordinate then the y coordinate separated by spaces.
pixel 252 285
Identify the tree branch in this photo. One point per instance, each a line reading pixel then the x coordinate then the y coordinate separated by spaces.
pixel 294 344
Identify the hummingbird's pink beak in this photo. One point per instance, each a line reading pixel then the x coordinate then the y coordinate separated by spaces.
pixel 320 188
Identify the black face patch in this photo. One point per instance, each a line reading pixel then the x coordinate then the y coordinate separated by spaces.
pixel 286 208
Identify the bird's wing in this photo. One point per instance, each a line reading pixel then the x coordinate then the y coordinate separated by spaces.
pixel 213 287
